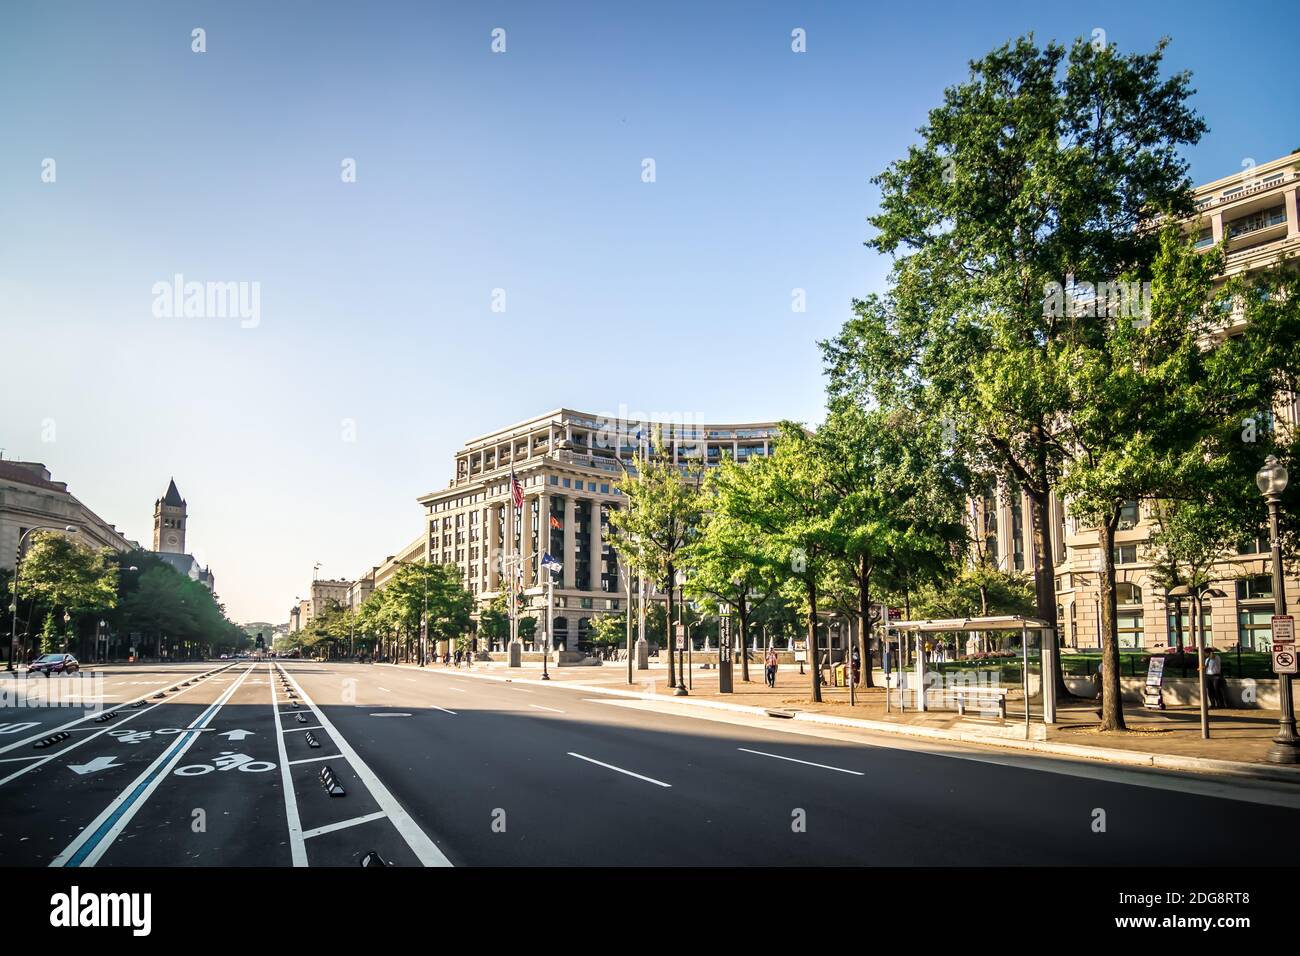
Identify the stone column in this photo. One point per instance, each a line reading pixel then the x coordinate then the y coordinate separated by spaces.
pixel 494 557
pixel 570 565
pixel 596 547
pixel 1216 227
pixel 527 519
pixel 1292 213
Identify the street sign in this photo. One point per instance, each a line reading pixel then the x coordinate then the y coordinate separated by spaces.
pixel 1283 629
pixel 1284 660
pixel 680 631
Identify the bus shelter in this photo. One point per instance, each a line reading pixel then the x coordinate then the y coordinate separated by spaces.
pixel 1030 628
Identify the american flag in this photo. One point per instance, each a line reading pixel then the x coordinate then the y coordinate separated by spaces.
pixel 516 491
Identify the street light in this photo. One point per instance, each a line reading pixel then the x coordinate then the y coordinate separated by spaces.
pixel 13 607
pixel 1272 481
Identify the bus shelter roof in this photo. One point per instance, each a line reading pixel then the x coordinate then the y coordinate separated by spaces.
pixel 1006 622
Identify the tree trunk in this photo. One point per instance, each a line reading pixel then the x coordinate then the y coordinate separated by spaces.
pixel 1112 710
pixel 742 615
pixel 1045 578
pixel 864 616
pixel 815 669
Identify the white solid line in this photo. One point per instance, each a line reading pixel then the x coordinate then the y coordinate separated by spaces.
pixel 459 690
pixel 152 776
pixel 424 848
pixel 344 824
pixel 443 709
pixel 808 763
pixel 289 730
pixel 384 689
pixel 294 763
pixel 551 709
pixel 610 766
pixel 297 851
pixel 522 691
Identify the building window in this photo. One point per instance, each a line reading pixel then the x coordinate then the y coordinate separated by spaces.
pixel 1128 516
pixel 1257 545
pixel 1126 592
pixel 1129 626
pixel 1255 628
pixel 1255 588
pixel 1125 554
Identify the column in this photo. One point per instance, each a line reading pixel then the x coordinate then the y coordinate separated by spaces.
pixel 570 565
pixel 1216 227
pixel 596 546
pixel 1292 213
pixel 527 520
pixel 494 557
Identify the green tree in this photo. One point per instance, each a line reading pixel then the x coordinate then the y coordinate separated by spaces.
pixel 659 519
pixel 1045 164
pixel 788 503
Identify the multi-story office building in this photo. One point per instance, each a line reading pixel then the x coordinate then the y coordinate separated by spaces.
pixel 568 465
pixel 1255 213
pixel 30 498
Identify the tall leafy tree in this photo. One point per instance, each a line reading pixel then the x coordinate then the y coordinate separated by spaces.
pixel 1041 168
pixel 788 503
pixel 659 518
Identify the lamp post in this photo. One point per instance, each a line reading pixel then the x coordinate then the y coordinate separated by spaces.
pixel 1272 481
pixel 13 607
pixel 550 614
pixel 681 690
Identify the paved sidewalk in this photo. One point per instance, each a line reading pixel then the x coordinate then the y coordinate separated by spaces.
pixel 1239 741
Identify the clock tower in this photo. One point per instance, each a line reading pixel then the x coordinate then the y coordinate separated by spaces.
pixel 169 521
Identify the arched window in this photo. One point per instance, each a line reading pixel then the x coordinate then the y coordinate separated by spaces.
pixel 1126 592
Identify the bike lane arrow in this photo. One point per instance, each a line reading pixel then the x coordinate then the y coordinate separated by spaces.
pixel 99 763
pixel 237 734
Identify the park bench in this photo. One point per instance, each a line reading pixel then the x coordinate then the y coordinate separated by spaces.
pixel 980 694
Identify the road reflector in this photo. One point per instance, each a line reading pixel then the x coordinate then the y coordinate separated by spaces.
pixel 108 716
pixel 311 740
pixel 51 740
pixel 331 783
pixel 374 859
pixel 302 718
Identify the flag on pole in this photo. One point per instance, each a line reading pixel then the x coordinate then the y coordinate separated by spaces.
pixel 516 491
pixel 551 564
pixel 556 523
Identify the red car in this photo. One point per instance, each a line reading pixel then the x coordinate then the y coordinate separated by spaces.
pixel 54 664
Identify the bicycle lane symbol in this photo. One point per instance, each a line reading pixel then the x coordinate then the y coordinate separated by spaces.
pixel 229 760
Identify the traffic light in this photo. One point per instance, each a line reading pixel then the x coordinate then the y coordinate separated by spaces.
pixel 260 642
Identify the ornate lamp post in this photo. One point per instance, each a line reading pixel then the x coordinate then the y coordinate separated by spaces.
pixel 1272 481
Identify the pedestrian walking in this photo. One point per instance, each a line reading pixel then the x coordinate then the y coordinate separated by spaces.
pixel 771 662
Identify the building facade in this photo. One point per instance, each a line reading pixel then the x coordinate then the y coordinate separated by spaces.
pixel 568 465
pixel 1255 213
pixel 30 498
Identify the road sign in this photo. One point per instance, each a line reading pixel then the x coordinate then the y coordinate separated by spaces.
pixel 680 630
pixel 1283 629
pixel 1284 660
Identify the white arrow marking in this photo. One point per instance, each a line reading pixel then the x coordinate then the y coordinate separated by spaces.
pixel 236 734
pixel 99 763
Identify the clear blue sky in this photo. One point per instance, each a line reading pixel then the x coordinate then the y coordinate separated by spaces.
pixel 476 171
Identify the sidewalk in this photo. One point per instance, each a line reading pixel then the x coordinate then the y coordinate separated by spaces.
pixel 1169 739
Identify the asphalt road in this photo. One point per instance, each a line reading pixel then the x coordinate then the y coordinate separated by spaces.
pixel 439 767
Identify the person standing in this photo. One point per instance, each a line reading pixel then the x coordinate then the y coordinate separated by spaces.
pixel 771 666
pixel 1214 678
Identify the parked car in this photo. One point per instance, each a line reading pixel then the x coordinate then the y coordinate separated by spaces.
pixel 48 664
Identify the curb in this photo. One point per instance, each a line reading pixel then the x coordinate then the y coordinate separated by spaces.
pixel 1132 758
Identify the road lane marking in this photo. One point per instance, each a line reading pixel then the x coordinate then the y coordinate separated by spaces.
pixel 610 766
pixel 424 848
pixel 294 763
pixel 384 689
pixel 807 763
pixel 443 709
pixel 344 824
pixel 290 730
pixel 390 713
pixel 551 709
pixel 297 849
pixel 91 844
pixel 117 706
pixel 459 690
pixel 112 730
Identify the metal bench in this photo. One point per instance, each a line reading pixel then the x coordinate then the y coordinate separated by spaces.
pixel 981 694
